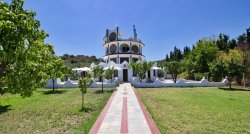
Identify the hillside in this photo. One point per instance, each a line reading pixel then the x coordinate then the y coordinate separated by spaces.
pixel 79 60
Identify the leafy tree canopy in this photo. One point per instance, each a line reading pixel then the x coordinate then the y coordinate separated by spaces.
pixel 204 52
pixel 24 56
pixel 173 67
pixel 141 68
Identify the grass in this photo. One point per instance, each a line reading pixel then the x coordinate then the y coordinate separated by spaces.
pixel 198 110
pixel 47 112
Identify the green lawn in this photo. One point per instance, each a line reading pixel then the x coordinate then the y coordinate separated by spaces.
pixel 51 113
pixel 198 110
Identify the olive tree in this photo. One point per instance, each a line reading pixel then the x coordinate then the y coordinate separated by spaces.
pixel 174 68
pixel 98 71
pixel 228 64
pixel 83 84
pixel 233 69
pixel 109 73
pixel 141 68
pixel 56 69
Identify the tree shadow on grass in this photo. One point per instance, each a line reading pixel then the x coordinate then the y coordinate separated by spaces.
pixel 234 89
pixel 4 108
pixel 86 109
pixel 54 92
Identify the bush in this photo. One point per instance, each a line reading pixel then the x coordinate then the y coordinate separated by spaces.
pixel 117 83
pixel 109 73
pixel 185 75
pixel 160 73
pixel 198 76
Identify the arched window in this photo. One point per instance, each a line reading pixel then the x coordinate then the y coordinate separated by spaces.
pixel 135 49
pixel 115 73
pixel 113 49
pixel 124 48
pixel 112 36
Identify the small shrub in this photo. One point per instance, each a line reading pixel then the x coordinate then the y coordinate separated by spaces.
pixel 109 73
pixel 117 83
pixel 198 76
pixel 160 73
pixel 185 75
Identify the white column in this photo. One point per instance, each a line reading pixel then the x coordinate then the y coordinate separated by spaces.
pixel 130 47
pixel 118 47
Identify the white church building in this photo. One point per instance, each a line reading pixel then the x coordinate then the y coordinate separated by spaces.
pixel 120 52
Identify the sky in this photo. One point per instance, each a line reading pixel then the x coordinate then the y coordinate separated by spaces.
pixel 78 26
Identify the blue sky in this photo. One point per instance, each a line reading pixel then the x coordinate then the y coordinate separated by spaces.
pixel 78 26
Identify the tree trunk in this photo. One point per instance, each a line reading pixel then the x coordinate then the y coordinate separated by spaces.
pixel 140 78
pixel 230 84
pixel 244 79
pixel 174 78
pixel 3 67
pixel 102 84
pixel 82 99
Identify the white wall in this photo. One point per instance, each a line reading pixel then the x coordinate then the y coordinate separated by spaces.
pixel 130 75
pixel 74 84
pixel 180 83
pixel 137 83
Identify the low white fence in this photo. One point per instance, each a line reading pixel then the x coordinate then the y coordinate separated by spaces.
pixel 74 84
pixel 179 83
pixel 137 83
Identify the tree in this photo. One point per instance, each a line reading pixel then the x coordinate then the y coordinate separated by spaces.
pixel 137 66
pixel 217 70
pixel 56 69
pixel 244 46
pixel 24 56
pixel 167 58
pixel 141 68
pixel 232 44
pixel 204 53
pixel 160 73
pixel 222 42
pixel 232 69
pixel 188 66
pixel 227 64
pixel 109 73
pixel 146 66
pixel 98 71
pixel 83 84
pixel 176 55
pixel 186 51
pixel 173 67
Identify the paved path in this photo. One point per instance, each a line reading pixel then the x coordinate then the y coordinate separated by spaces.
pixel 124 113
